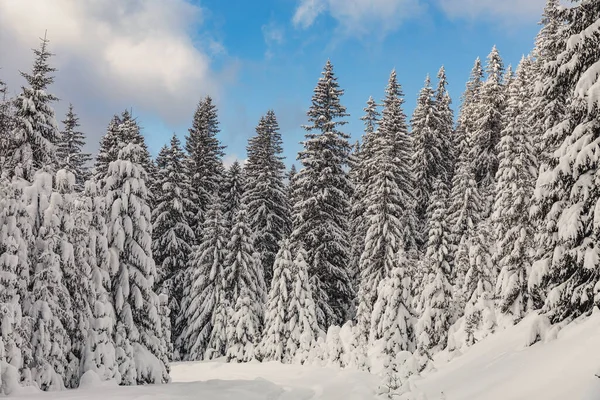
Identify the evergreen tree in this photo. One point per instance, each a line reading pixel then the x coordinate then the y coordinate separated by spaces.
pixel 302 324
pixel 172 235
pixel 233 192
pixel 265 193
pixel 35 132
pixel 393 124
pixel 435 319
pixel 204 160
pixel 273 343
pixel 108 152
pixel 51 302
pixel 392 319
pixel 69 150
pixel 360 176
pixel 570 278
pixel 203 294
pixel 430 150
pixel 515 177
pixel 445 125
pixel 244 283
pixel 139 330
pixel 487 127
pixel 321 216
pixel 6 126
pixel 384 216
pixel 99 353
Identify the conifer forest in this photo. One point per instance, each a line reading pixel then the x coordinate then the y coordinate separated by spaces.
pixel 442 227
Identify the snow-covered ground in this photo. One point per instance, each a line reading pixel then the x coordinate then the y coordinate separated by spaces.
pixel 499 367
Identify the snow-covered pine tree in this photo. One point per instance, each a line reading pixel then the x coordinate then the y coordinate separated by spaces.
pixel 35 131
pixel 321 223
pixel 265 194
pixel 392 319
pixel 6 126
pixel 435 319
pixel 172 237
pixel 204 160
pixel 430 151
pixel 138 326
pixel 479 311
pixel 487 128
pixel 516 179
pixel 445 124
pixel 233 192
pixel 76 271
pixel 69 150
pixel 51 302
pixel 14 271
pixel 203 291
pixel 99 352
pixel 302 323
pixel 360 177
pixel 244 284
pixel 571 277
pixel 275 334
pixel 386 208
pixel 393 124
pixel 548 109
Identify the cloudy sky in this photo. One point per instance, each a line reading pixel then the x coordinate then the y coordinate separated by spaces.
pixel 159 57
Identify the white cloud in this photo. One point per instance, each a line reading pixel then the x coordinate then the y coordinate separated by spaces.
pixel 273 35
pixel 504 10
pixel 113 54
pixel 357 17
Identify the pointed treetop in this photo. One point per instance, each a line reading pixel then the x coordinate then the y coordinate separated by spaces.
pixel 495 66
pixel 371 117
pixel 39 79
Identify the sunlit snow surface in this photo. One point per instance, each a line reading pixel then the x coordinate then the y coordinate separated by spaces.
pixel 498 368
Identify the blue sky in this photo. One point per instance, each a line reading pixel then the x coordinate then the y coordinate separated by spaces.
pixel 160 57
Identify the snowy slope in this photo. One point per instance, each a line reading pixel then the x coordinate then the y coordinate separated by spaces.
pixel 500 367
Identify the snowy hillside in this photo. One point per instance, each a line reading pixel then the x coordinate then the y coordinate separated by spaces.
pixel 500 367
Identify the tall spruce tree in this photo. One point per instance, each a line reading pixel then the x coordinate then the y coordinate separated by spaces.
pixel 233 191
pixel 172 237
pixel 321 217
pixel 265 194
pixel 203 291
pixel 35 133
pixel 139 331
pixel 108 151
pixel 69 150
pixel 445 125
pixel 6 126
pixel 435 319
pixel 487 127
pixel 386 208
pixel 204 160
pixel 516 178
pixel 570 278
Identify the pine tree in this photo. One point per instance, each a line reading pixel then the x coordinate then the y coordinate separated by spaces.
pixel 273 343
pixel 265 193
pixel 384 216
pixel 69 150
pixel 6 126
pixel 435 319
pixel 445 125
pixel 487 128
pixel 35 132
pixel 515 177
pixel 108 152
pixel 570 278
pixel 138 328
pixel 244 283
pixel 172 236
pixel 203 295
pixel 302 323
pixel 360 176
pixel 233 192
pixel 393 124
pixel 51 302
pixel 321 217
pixel 430 150
pixel 99 353
pixel 392 319
pixel 204 160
